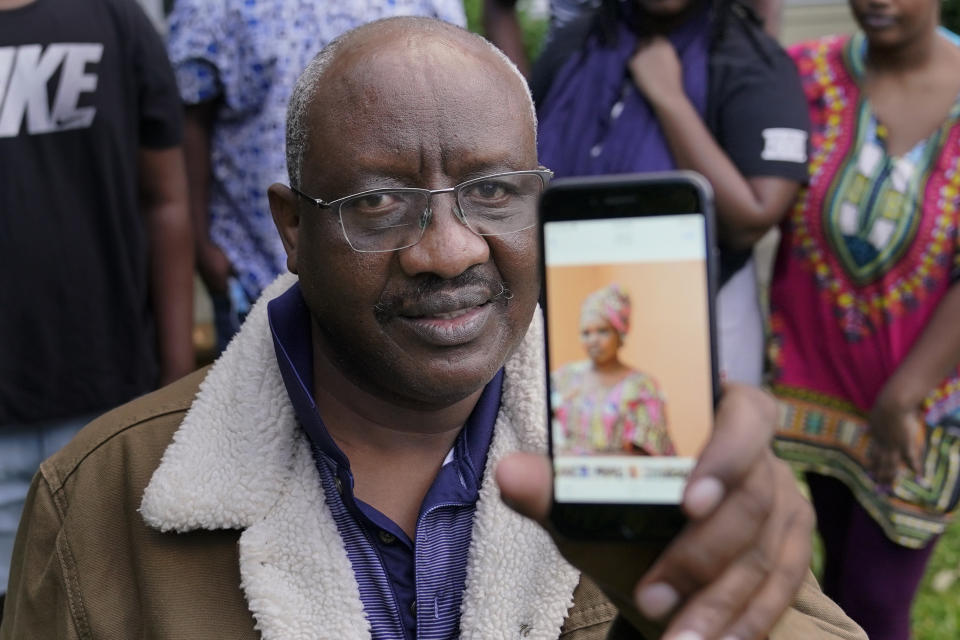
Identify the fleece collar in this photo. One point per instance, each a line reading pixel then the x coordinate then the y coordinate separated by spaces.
pixel 240 461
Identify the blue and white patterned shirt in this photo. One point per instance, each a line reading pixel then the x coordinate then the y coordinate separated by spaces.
pixel 248 54
pixel 410 589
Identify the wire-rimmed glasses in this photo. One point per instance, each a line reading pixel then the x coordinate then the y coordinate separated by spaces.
pixel 391 219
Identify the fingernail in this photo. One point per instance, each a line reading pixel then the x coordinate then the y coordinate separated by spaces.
pixel 703 496
pixel 657 600
pixel 687 635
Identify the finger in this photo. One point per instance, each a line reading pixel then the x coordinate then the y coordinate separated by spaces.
pixel 914 444
pixel 884 463
pixel 742 433
pixel 778 592
pixel 705 549
pixel 911 457
pixel 749 597
pixel 525 484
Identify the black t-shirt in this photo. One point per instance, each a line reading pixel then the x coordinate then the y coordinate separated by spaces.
pixel 755 103
pixel 84 85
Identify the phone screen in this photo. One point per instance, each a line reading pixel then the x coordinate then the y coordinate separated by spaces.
pixel 629 355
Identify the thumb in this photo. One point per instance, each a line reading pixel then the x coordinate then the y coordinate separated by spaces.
pixel 525 484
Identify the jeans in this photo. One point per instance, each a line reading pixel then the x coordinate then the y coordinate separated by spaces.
pixel 22 448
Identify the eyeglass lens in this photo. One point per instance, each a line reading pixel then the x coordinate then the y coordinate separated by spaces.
pixel 389 220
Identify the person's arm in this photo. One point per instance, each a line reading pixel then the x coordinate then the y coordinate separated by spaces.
pixel 746 207
pixel 163 198
pixel 738 564
pixel 502 28
pixel 212 263
pixel 896 419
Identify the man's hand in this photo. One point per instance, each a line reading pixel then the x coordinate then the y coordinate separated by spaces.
pixel 656 70
pixel 895 427
pixel 214 266
pixel 735 567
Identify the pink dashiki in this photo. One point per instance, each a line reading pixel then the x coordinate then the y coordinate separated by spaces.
pixel 867 253
pixel 626 418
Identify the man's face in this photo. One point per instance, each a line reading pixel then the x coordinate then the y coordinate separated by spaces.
pixel 430 324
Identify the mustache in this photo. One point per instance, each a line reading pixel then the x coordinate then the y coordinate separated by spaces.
pixel 471 285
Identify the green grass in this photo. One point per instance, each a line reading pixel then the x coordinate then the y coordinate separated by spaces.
pixel 936 611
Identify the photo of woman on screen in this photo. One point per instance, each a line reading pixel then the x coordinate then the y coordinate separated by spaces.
pixel 603 406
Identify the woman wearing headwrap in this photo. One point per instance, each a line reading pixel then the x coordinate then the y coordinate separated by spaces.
pixel 602 405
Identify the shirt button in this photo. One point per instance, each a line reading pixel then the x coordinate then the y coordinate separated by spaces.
pixel 596 150
pixel 386 537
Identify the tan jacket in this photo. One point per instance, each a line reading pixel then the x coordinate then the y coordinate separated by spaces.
pixel 156 522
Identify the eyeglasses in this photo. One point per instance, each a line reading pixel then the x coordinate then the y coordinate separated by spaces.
pixel 382 220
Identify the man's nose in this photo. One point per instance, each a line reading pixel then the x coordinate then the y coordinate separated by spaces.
pixel 448 247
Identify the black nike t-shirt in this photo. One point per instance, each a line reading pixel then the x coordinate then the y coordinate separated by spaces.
pixel 84 85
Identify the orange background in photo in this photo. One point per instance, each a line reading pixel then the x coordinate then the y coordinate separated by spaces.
pixel 668 336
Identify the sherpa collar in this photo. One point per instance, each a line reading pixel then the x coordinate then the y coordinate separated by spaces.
pixel 240 461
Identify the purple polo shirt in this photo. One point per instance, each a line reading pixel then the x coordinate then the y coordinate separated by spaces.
pixel 409 588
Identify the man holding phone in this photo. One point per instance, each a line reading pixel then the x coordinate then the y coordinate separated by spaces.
pixel 339 472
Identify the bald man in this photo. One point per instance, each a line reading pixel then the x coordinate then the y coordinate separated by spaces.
pixel 337 473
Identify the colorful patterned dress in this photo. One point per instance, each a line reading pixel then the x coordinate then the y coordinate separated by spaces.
pixel 868 252
pixel 622 419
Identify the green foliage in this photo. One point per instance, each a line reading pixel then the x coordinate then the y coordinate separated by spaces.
pixel 474 9
pixel 534 28
pixel 950 15
pixel 534 32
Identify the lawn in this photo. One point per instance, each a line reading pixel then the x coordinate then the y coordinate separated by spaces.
pixel 936 613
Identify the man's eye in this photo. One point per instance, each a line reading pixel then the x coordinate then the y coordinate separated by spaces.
pixel 488 191
pixel 375 201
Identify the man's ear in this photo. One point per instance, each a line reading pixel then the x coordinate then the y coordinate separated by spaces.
pixel 283 206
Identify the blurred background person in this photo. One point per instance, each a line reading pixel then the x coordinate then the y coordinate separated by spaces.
pixel 96 289
pixel 865 306
pixel 235 63
pixel 603 405
pixel 651 85
pixel 502 26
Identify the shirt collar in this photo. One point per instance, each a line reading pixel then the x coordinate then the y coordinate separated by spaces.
pixel 289 320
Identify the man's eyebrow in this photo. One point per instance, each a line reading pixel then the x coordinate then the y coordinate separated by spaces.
pixel 374 180
pixel 367 179
pixel 487 169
